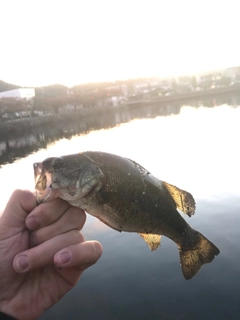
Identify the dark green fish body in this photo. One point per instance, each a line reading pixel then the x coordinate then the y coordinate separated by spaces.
pixel 126 197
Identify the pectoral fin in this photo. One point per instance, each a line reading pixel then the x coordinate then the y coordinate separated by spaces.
pixel 183 199
pixel 152 240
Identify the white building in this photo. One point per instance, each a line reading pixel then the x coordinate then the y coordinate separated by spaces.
pixel 233 73
pixel 21 93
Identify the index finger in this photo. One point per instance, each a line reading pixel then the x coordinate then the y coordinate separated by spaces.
pixel 19 205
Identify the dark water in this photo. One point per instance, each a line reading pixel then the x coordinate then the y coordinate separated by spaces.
pixel 194 146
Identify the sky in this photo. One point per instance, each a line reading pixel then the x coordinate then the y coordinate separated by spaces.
pixel 77 41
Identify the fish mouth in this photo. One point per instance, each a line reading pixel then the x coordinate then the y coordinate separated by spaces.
pixel 43 184
pixel 38 168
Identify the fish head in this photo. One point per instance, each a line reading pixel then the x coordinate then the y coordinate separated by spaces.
pixel 70 178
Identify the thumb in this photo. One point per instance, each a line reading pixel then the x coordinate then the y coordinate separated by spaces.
pixel 19 205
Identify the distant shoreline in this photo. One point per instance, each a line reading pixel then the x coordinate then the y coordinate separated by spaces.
pixel 189 95
pixel 15 127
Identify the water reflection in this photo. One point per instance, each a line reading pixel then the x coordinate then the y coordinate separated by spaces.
pixel 41 136
pixel 15 144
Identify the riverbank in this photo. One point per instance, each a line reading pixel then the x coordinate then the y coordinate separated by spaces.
pixel 189 95
pixel 14 128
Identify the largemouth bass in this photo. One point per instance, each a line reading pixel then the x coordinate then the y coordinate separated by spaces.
pixel 126 197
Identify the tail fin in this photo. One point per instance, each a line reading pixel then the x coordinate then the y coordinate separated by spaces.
pixel 192 260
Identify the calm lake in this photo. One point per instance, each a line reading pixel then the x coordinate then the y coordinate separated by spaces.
pixel 194 146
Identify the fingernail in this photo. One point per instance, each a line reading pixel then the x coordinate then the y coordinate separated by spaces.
pixel 22 262
pixel 64 257
pixel 32 223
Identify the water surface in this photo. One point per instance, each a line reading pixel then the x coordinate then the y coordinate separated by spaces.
pixel 193 148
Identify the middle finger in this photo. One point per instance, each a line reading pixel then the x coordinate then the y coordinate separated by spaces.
pixel 46 213
pixel 73 219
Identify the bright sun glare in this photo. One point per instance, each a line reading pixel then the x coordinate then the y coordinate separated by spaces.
pixel 72 42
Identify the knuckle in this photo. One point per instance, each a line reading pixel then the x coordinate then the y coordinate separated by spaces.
pixel 79 222
pixel 17 192
pixel 76 236
pixel 41 210
pixel 77 218
pixel 79 236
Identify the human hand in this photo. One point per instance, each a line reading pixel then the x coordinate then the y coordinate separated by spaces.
pixel 35 270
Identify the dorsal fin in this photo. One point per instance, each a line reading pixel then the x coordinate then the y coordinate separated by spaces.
pixel 152 240
pixel 183 199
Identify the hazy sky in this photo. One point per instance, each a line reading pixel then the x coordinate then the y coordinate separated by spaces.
pixel 70 42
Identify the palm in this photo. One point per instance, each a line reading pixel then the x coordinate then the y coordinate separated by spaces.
pixel 40 288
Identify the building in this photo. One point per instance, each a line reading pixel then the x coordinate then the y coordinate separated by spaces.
pixel 233 73
pixel 21 93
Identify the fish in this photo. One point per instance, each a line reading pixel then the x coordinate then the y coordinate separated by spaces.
pixel 126 197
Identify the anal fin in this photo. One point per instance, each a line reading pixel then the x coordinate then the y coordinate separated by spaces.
pixel 184 200
pixel 152 240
